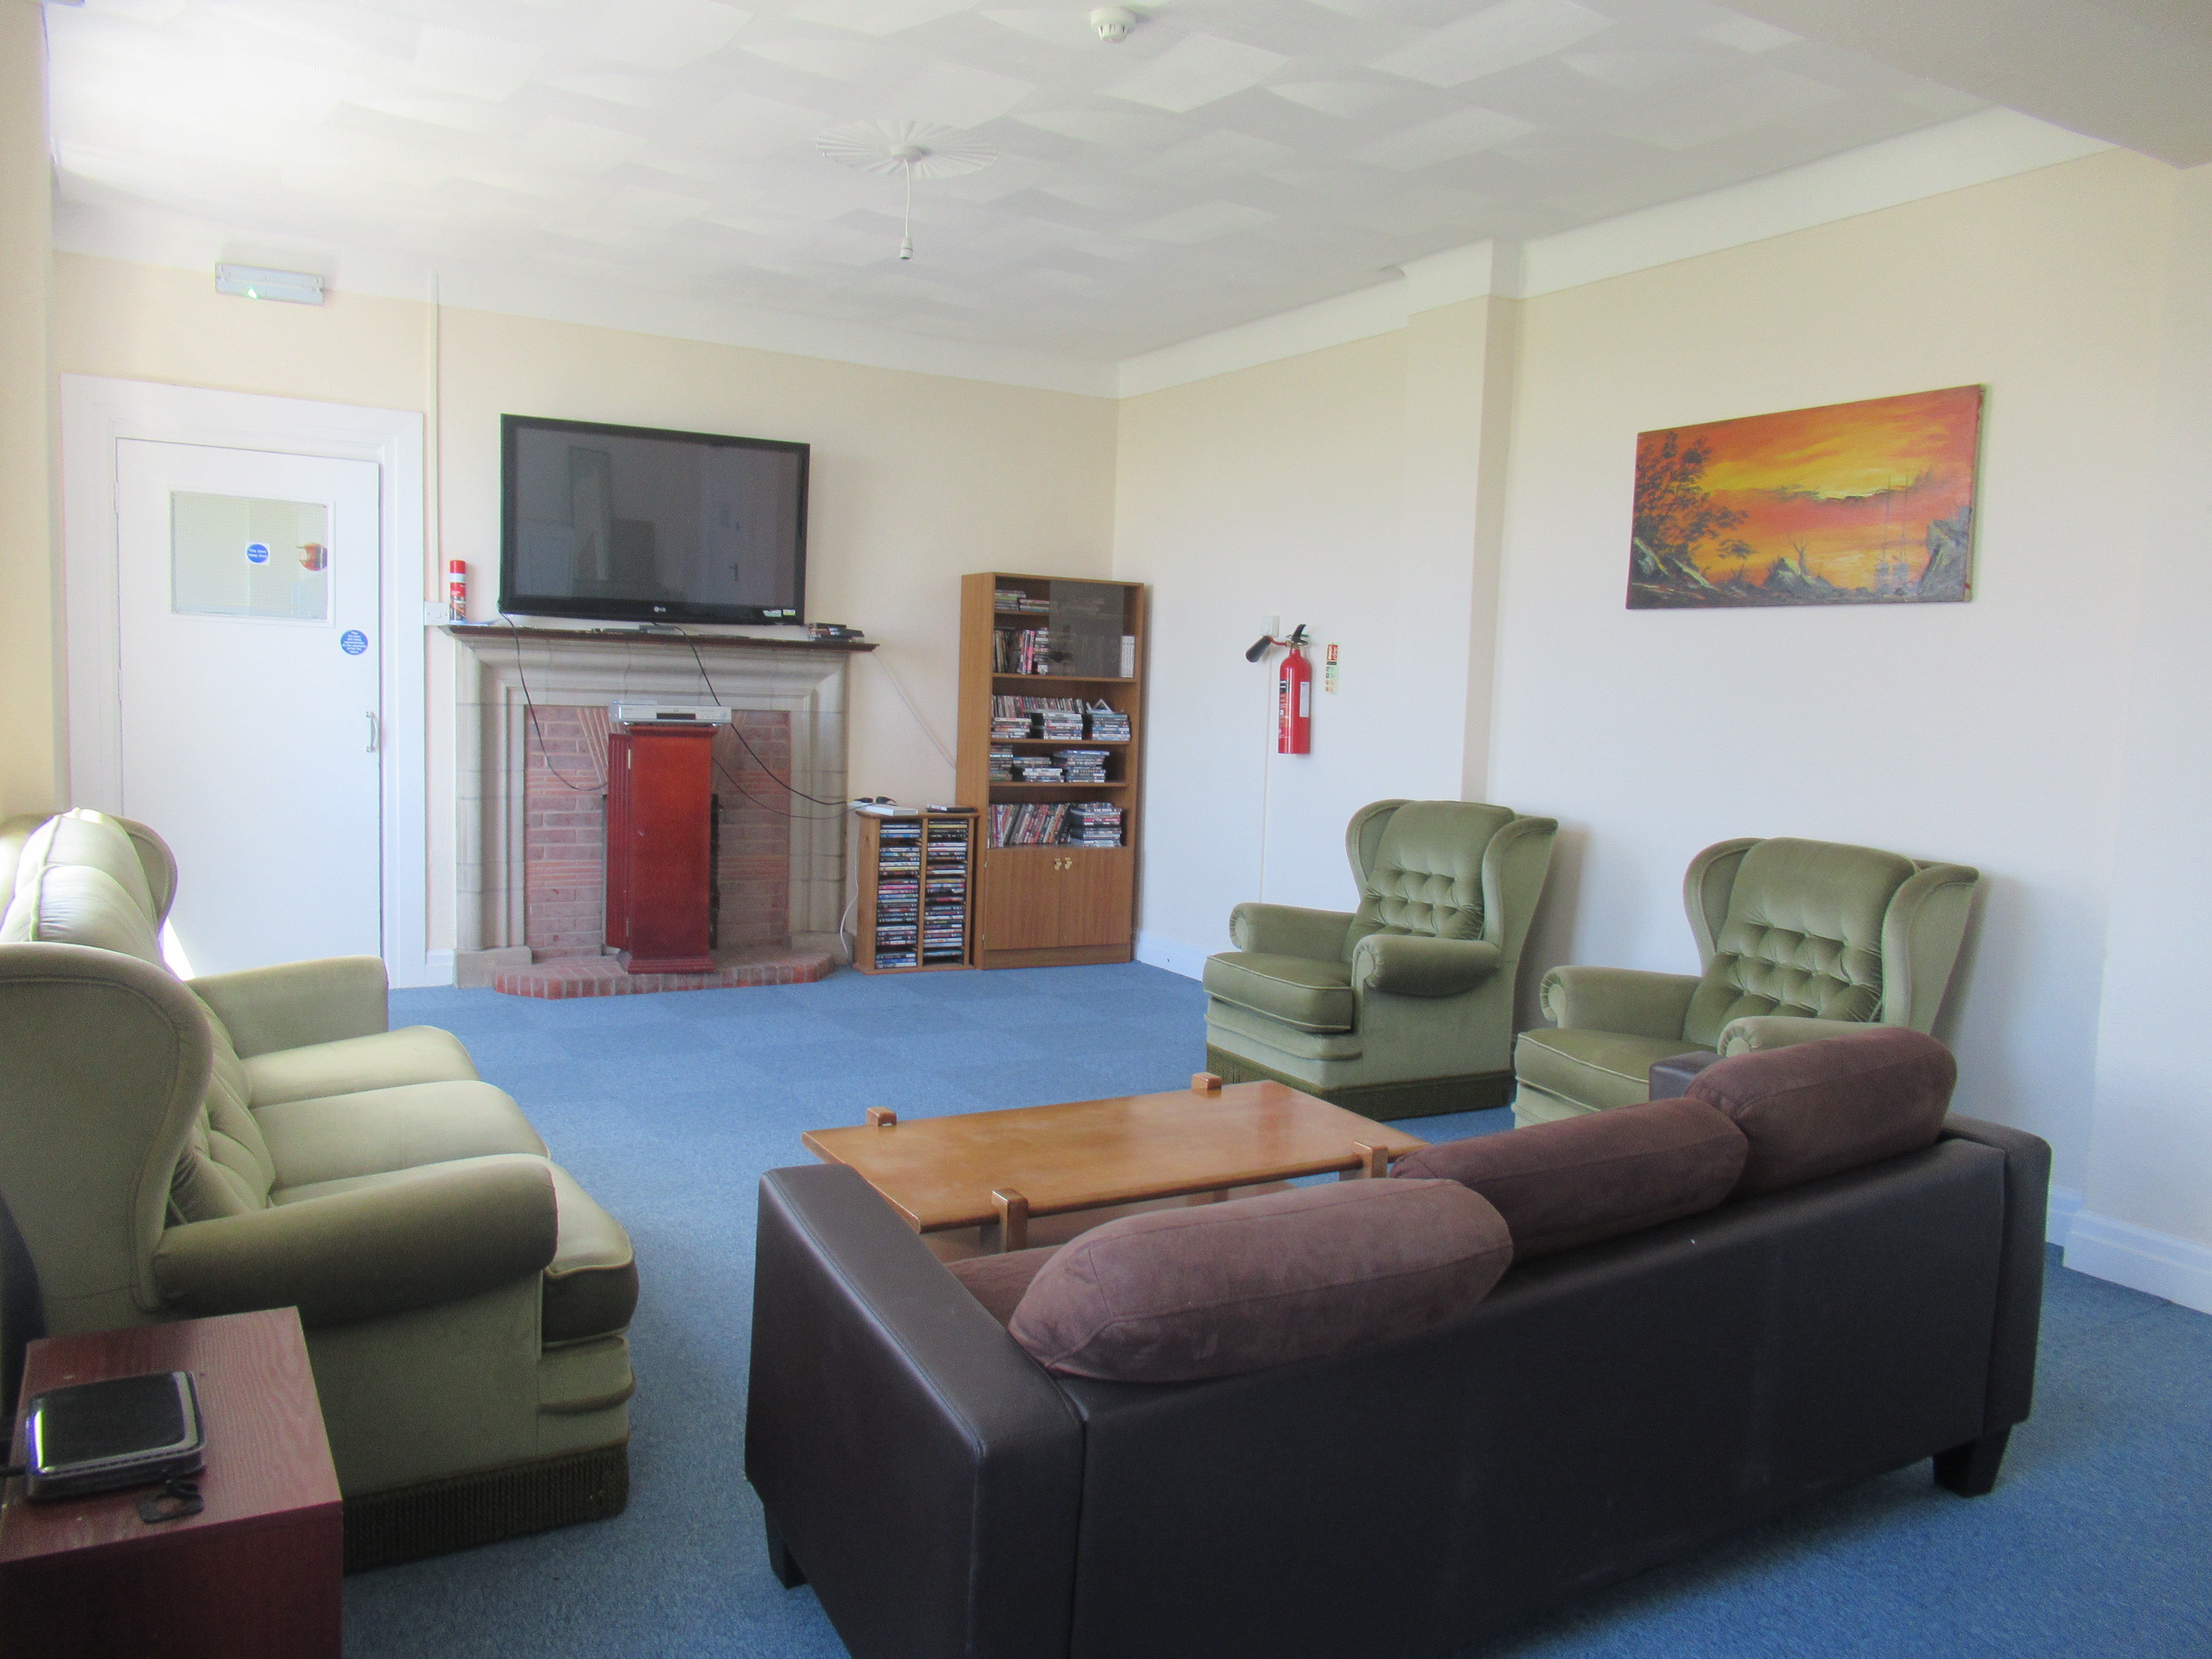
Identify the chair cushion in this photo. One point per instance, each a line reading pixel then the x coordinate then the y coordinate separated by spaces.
pixel 78 904
pixel 1582 1179
pixel 225 1169
pixel 590 1288
pixel 1420 868
pixel 591 1284
pixel 1000 1281
pixel 1300 991
pixel 94 840
pixel 1174 1295
pixel 413 1054
pixel 384 1129
pixel 1597 1069
pixel 1818 1109
pixel 1803 935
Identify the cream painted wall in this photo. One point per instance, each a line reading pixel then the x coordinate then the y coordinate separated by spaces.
pixel 916 477
pixel 1987 732
pixel 1329 489
pixel 30 750
pixel 2150 1155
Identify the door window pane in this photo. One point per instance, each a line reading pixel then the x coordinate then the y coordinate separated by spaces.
pixel 242 555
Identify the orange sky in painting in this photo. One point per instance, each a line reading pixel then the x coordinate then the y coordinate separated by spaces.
pixel 1849 484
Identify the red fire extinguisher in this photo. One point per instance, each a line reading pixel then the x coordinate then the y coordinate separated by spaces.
pixel 1294 696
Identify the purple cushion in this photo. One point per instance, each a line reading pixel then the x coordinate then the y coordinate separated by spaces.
pixel 1582 1179
pixel 999 1282
pixel 1818 1109
pixel 1216 1288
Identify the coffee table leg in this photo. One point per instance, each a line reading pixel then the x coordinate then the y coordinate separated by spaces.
pixel 1373 1163
pixel 1013 1220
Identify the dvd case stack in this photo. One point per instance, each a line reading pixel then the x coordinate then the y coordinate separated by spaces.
pixel 1013 599
pixel 1026 826
pixel 898 893
pixel 1002 764
pixel 1082 765
pixel 1107 724
pixel 1024 651
pixel 944 893
pixel 1094 823
pixel 1040 771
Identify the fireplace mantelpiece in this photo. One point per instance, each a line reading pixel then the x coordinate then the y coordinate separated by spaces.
pixel 805 679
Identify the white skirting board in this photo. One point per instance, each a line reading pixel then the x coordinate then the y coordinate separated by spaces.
pixel 2179 1269
pixel 2058 1216
pixel 1172 954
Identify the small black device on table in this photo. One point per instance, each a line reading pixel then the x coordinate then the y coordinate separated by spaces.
pixel 127 1432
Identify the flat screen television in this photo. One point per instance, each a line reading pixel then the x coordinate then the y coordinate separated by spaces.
pixel 628 524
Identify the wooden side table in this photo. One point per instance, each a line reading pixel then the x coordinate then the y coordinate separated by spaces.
pixel 254 1574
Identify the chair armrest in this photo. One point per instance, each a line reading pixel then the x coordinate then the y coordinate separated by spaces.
pixel 1413 965
pixel 1628 1000
pixel 923 1472
pixel 1756 1033
pixel 1285 930
pixel 2020 1276
pixel 289 1006
pixel 450 1230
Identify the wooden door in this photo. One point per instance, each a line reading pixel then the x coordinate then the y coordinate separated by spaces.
pixel 1096 886
pixel 1020 899
pixel 667 816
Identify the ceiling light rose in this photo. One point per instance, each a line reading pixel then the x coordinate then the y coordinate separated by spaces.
pixel 1112 23
pixel 911 149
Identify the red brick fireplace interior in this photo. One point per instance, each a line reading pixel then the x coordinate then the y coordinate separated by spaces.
pixel 564 835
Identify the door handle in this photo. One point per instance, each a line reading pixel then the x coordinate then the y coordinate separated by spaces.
pixel 373 732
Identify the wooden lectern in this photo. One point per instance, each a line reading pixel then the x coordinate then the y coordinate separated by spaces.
pixel 660 831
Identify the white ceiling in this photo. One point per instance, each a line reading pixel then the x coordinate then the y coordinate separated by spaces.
pixel 2137 72
pixel 1231 159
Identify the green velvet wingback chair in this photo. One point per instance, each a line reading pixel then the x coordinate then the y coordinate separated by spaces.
pixel 1403 1008
pixel 1800 939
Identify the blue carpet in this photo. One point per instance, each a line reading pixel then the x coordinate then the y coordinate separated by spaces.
pixel 2098 1540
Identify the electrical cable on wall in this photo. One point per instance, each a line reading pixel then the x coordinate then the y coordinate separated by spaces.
pixel 737 732
pixel 531 710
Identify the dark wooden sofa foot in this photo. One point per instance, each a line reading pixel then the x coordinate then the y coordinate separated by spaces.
pixel 1971 1469
pixel 779 1561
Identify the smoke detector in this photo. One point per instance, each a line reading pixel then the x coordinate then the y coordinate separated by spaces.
pixel 1112 23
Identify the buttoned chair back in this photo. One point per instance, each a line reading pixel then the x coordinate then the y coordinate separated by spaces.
pixel 1419 867
pixel 1796 940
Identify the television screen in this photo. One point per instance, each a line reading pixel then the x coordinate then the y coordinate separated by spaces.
pixel 627 524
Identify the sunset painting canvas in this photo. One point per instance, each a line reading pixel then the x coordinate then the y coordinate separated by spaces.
pixel 1864 503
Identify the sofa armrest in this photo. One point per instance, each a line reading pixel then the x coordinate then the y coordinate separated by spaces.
pixel 2019 1275
pixel 289 1006
pixel 1285 930
pixel 450 1230
pixel 924 1474
pixel 1625 999
pixel 1756 1033
pixel 1413 965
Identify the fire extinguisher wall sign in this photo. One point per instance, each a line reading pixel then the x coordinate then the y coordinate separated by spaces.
pixel 1294 700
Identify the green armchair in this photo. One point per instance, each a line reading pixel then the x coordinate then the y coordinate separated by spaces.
pixel 261 1139
pixel 1800 939
pixel 1403 1008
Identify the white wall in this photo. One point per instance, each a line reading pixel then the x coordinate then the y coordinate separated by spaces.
pixel 1985 733
pixel 916 477
pixel 29 751
pixel 2147 1215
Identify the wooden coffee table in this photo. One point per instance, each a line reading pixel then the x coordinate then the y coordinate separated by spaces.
pixel 997 1170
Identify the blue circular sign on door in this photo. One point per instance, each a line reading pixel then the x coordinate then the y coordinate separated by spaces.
pixel 257 553
pixel 353 641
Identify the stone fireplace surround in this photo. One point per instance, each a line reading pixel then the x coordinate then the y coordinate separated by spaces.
pixel 805 681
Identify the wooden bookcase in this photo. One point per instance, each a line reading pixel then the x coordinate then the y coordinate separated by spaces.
pixel 1062 904
pixel 934 846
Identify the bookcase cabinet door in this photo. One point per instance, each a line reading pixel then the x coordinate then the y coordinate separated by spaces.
pixel 1020 899
pixel 1096 891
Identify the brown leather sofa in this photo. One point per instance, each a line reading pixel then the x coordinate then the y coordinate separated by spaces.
pixel 1605 1408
